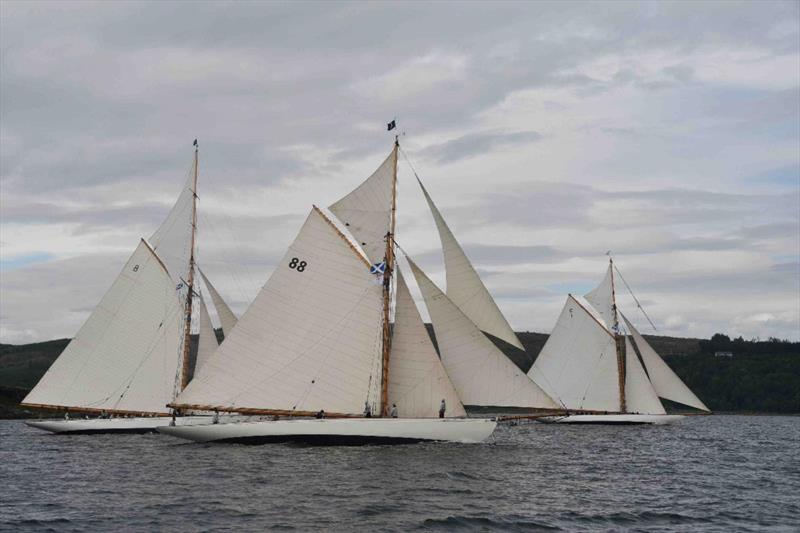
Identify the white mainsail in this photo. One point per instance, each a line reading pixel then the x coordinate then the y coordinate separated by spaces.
pixel 578 364
pixel 666 383
pixel 310 338
pixel 418 380
pixel 172 241
pixel 126 355
pixel 206 338
pixel 639 394
pixel 366 211
pixel 602 298
pixel 226 317
pixel 464 286
pixel 482 374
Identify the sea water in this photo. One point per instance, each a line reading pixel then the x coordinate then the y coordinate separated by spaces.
pixel 708 473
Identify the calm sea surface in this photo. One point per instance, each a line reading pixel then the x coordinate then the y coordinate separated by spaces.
pixel 716 473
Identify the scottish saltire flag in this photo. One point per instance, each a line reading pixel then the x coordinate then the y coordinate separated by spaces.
pixel 390 126
pixel 378 268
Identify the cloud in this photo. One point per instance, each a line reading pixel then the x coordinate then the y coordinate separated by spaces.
pixel 547 132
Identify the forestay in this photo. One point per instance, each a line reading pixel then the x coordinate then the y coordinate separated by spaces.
pixel 640 397
pixel 126 354
pixel 482 374
pixel 578 364
pixel 465 288
pixel 226 317
pixel 206 338
pixel 366 211
pixel 417 380
pixel 665 382
pixel 310 338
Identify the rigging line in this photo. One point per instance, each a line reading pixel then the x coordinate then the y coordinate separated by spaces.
pixel 236 275
pixel 639 305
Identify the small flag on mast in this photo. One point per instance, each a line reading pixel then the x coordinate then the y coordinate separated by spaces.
pixel 378 268
pixel 194 143
pixel 390 126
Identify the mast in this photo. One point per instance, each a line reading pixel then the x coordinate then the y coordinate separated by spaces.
pixel 387 291
pixel 190 279
pixel 619 341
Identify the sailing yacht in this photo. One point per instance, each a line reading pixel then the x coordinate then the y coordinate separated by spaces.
pixel 132 355
pixel 316 350
pixel 602 375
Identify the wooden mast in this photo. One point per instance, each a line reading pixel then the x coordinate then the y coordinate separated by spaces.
pixel 387 292
pixel 187 329
pixel 619 341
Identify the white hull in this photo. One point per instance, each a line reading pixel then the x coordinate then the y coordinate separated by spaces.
pixel 340 431
pixel 113 425
pixel 619 419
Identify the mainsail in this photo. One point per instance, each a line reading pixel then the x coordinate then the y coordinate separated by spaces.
pixel 172 241
pixel 666 384
pixel 465 288
pixel 126 355
pixel 366 211
pixel 226 317
pixel 418 380
pixel 309 340
pixel 578 364
pixel 481 373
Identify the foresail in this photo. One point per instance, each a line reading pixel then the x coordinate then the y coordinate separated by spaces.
pixel 482 374
pixel 640 397
pixel 578 364
pixel 417 380
pixel 126 354
pixel 602 298
pixel 366 211
pixel 226 317
pixel 465 288
pixel 666 384
pixel 206 338
pixel 172 241
pixel 310 339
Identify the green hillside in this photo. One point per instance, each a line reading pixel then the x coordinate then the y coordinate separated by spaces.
pixel 758 377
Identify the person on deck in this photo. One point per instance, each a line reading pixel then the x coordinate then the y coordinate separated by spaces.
pixel 215 419
pixel 321 414
pixel 367 410
pixel 393 412
pixel 442 408
pixel 66 416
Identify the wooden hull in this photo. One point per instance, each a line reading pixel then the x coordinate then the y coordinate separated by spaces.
pixel 613 419
pixel 90 426
pixel 341 431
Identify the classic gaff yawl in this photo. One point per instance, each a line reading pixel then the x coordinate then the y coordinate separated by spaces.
pixel 317 339
pixel 588 364
pixel 131 356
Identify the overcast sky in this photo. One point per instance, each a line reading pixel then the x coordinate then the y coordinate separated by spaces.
pixel 548 133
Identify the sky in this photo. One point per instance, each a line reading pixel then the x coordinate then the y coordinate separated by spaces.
pixel 547 133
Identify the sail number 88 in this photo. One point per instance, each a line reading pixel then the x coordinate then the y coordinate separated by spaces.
pixel 298 265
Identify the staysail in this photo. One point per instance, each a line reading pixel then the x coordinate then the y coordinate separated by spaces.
pixel 126 355
pixel 482 374
pixel 465 288
pixel 226 317
pixel 578 364
pixel 206 338
pixel 665 382
pixel 418 380
pixel 366 211
pixel 309 340
pixel 639 394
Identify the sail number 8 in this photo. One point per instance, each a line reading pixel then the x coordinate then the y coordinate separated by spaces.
pixel 298 265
